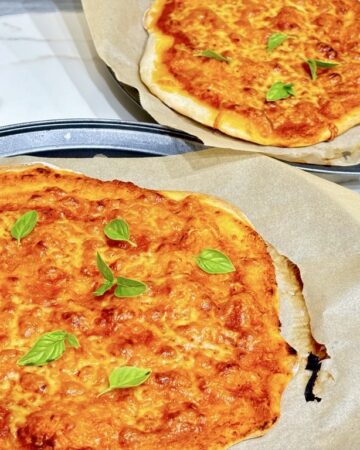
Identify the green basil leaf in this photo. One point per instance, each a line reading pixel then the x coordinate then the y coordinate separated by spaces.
pixel 315 63
pixel 325 64
pixel 313 68
pixel 126 377
pixel 275 40
pixel 213 55
pixel 214 261
pixel 47 348
pixel 104 269
pixel 280 90
pixel 127 287
pixel 24 225
pixel 72 340
pixel 104 288
pixel 118 230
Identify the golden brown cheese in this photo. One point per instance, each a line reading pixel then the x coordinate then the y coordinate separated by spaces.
pixel 219 364
pixel 232 97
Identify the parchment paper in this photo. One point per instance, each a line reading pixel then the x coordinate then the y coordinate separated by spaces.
pixel 117 30
pixel 314 223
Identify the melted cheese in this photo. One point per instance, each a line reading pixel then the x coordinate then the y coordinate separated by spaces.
pixel 327 30
pixel 219 363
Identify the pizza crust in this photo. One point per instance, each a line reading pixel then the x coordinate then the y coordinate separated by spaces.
pixel 233 125
pixel 345 123
pixel 184 104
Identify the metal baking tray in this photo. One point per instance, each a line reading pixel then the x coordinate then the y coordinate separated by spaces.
pixel 86 137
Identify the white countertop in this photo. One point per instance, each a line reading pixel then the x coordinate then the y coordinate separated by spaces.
pixel 49 69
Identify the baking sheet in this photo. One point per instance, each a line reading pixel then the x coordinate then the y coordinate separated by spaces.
pixel 84 137
pixel 119 37
pixel 314 223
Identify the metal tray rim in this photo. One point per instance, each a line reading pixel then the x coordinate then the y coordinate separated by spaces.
pixel 96 123
pixel 188 142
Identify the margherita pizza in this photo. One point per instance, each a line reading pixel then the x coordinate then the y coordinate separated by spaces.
pixel 131 318
pixel 283 73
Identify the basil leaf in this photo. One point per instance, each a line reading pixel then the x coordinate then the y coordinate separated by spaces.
pixel 325 64
pixel 104 288
pixel 127 287
pixel 118 230
pixel 214 261
pixel 313 68
pixel 213 55
pixel 104 269
pixel 275 40
pixel 315 63
pixel 126 377
pixel 280 90
pixel 72 340
pixel 47 348
pixel 24 225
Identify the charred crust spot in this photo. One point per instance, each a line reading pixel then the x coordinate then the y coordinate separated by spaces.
pixel 314 366
pixel 291 350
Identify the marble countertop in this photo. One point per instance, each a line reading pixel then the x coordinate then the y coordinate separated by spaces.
pixel 49 69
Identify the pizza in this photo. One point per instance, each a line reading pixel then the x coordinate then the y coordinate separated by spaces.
pixel 133 318
pixel 282 73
